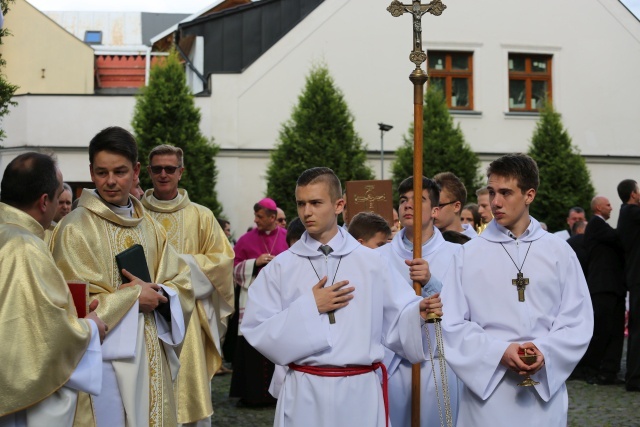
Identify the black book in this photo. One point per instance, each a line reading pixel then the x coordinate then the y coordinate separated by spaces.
pixel 134 261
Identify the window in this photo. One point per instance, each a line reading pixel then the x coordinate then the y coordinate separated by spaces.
pixel 93 37
pixel 453 73
pixel 529 81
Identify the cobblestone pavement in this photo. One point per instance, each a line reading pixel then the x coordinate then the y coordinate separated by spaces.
pixel 589 406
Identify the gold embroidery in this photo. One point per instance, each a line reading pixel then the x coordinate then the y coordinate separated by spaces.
pixel 121 238
pixel 173 224
pixel 155 370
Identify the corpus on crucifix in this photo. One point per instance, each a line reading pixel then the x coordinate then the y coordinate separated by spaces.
pixel 417 9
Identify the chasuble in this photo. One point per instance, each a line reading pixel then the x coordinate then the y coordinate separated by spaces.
pixel 194 232
pixel 141 365
pixel 483 315
pixel 47 341
pixel 439 254
pixel 283 323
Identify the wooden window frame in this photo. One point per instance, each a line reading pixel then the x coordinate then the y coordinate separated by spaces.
pixel 528 77
pixel 448 74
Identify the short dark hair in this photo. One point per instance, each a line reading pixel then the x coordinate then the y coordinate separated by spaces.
pixel 448 181
pixel 27 177
pixel 322 174
pixel 518 166
pixel 625 188
pixel 223 222
pixel 295 229
pixel 115 140
pixel 427 184
pixel 258 207
pixel 576 209
pixel 365 225
pixel 455 237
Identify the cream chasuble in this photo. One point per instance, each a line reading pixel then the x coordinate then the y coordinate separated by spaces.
pixel 84 246
pixel 38 318
pixel 194 232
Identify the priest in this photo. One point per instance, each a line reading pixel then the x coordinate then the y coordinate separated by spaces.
pixel 146 320
pixel 49 354
pixel 429 270
pixel 515 290
pixel 325 308
pixel 193 231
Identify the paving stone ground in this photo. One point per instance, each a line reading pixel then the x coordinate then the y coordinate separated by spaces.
pixel 589 406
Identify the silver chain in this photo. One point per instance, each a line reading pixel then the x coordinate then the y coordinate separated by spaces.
pixel 443 374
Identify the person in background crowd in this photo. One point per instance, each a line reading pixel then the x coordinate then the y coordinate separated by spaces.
pixel 608 290
pixel 629 231
pixel 281 218
pixel 576 213
pixel 254 250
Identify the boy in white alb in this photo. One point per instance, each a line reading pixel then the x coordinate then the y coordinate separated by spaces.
pixel 325 308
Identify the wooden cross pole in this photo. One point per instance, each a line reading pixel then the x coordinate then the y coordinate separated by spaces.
pixel 418 77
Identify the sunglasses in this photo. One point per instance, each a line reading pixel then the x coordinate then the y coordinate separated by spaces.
pixel 281 219
pixel 170 170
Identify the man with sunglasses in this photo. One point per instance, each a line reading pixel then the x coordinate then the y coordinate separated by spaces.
pixel 193 231
pixel 281 218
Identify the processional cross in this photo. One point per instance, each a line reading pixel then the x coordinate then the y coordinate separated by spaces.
pixel 417 9
pixel 419 77
pixel 520 282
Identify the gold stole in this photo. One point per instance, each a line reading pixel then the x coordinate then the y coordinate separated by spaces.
pixel 121 238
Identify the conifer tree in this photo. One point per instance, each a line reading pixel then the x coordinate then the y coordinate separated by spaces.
pixel 320 132
pixel 565 181
pixel 6 88
pixel 165 113
pixel 444 147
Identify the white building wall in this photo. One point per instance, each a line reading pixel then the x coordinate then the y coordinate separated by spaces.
pixel 596 54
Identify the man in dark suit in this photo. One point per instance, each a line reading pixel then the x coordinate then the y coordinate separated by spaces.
pixel 629 231
pixel 606 280
pixel 576 241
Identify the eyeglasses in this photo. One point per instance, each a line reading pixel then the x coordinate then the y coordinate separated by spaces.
pixel 170 170
pixel 281 219
pixel 442 205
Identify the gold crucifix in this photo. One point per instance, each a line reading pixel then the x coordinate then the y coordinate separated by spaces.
pixel 520 282
pixel 371 198
pixel 417 9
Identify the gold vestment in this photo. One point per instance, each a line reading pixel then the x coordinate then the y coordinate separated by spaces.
pixel 192 229
pixel 84 246
pixel 43 339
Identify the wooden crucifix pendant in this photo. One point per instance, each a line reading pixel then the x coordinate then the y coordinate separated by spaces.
pixel 520 282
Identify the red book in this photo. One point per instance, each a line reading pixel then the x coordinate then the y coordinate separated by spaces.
pixel 80 294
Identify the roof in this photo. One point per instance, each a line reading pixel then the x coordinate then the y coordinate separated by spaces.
pixel 235 38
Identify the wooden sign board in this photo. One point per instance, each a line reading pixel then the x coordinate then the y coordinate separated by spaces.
pixel 370 196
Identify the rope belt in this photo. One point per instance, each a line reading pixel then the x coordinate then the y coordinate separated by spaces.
pixel 349 371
